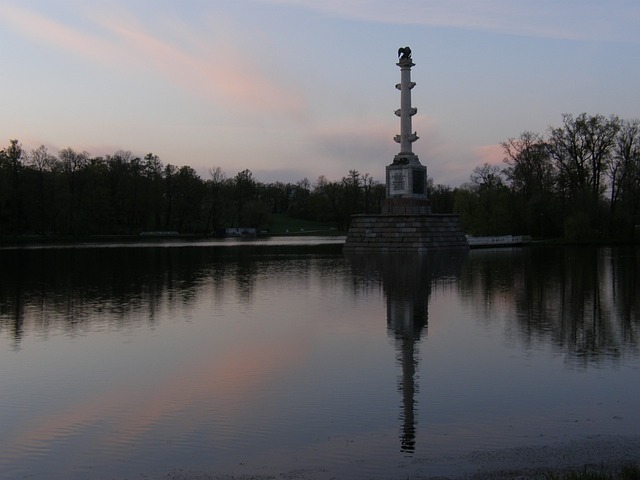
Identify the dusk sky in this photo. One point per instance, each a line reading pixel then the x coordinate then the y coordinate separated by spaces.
pixel 302 88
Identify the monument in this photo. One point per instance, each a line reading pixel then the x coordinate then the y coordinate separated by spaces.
pixel 406 176
pixel 406 222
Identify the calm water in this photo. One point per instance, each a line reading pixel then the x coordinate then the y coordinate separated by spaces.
pixel 139 361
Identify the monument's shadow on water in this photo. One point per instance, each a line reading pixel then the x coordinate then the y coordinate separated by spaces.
pixel 406 282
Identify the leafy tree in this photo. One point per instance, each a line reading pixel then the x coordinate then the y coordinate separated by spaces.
pixel 256 214
pixel 153 181
pixel 327 202
pixel 217 198
pixel 121 197
pixel 484 203
pixel 169 193
pixel 442 199
pixel 299 201
pixel 189 201
pixel 276 196
pixel 12 188
pixel 351 186
pixel 373 194
pixel 42 163
pixel 244 190
pixel 73 167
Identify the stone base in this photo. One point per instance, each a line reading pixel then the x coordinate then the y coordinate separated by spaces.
pixel 404 233
pixel 406 206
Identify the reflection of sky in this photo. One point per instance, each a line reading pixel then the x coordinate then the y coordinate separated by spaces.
pixel 491 389
pixel 285 361
pixel 227 365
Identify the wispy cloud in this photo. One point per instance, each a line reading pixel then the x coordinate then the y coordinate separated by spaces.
pixel 56 34
pixel 209 69
pixel 578 20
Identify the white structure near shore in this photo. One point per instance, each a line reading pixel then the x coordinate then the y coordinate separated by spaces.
pixel 501 241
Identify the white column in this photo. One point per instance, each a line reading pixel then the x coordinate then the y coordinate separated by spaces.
pixel 406 137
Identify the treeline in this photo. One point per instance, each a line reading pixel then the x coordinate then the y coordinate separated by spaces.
pixel 579 181
pixel 74 194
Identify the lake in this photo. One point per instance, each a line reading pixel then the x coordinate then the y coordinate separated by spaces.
pixel 286 358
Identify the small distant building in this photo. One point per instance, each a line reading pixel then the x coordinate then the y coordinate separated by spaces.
pixel 498 241
pixel 160 234
pixel 236 232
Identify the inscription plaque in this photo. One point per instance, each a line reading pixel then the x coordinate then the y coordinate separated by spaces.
pixel 398 181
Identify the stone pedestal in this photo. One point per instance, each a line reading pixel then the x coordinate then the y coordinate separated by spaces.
pixel 406 191
pixel 404 233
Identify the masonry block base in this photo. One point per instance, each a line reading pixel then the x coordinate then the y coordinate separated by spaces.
pixel 404 233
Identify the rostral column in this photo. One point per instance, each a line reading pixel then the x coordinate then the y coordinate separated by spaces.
pixel 406 176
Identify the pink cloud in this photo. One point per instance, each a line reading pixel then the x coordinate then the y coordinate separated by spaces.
pixel 219 73
pixel 49 32
pixel 212 70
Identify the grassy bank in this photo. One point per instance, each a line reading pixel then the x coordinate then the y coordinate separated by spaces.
pixel 285 225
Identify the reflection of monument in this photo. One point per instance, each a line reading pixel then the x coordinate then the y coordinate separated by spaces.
pixel 406 282
pixel 406 222
pixel 407 287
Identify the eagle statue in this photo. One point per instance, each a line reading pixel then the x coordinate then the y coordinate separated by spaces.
pixel 404 53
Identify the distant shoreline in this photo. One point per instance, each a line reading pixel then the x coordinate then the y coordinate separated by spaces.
pixel 17 240
pixel 66 240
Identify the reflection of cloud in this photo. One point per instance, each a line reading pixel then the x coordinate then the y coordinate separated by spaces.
pixel 231 383
pixel 213 70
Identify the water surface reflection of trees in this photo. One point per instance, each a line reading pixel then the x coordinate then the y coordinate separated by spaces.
pixel 72 290
pixel 581 300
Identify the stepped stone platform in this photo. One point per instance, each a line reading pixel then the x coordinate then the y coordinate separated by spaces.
pixel 404 233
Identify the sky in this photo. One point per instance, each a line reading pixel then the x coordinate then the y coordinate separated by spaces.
pixel 294 89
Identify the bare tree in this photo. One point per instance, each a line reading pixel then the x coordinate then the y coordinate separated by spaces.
pixel 581 150
pixel 487 176
pixel 624 169
pixel 529 169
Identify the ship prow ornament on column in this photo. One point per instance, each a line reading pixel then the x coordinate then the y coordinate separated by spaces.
pixel 406 223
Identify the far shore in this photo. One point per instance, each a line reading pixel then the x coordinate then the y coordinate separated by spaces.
pixel 52 240
pixel 17 240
